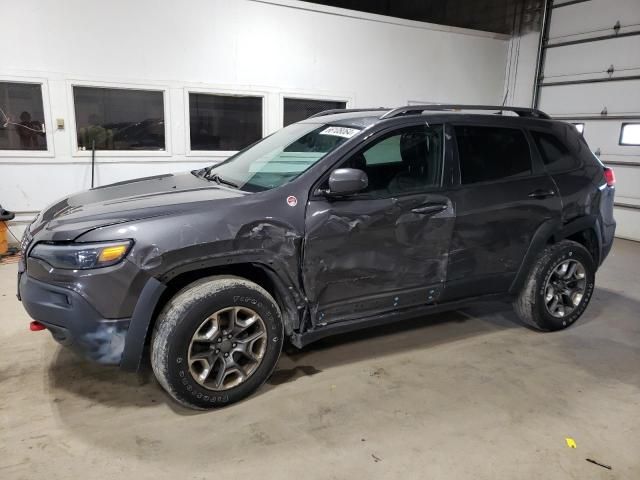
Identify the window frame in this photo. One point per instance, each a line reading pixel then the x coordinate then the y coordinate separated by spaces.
pixel 310 95
pixel 367 143
pixel 221 92
pixel 75 150
pixel 537 168
pixel 46 110
pixel 622 125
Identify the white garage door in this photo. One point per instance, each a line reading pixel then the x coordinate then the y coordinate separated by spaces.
pixel 590 75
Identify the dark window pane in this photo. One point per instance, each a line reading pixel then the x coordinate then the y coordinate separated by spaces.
pixel 555 154
pixel 21 117
pixel 223 122
pixel 296 109
pixel 403 161
pixel 119 119
pixel 492 153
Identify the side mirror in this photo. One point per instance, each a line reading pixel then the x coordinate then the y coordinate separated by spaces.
pixel 345 181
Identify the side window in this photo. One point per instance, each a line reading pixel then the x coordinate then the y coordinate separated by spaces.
pixel 119 118
pixel 491 153
pixel 386 151
pixel 403 161
pixel 21 117
pixel 555 154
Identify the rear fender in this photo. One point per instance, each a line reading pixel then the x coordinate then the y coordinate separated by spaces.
pixel 553 232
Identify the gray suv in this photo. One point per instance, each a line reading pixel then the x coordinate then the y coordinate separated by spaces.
pixel 349 219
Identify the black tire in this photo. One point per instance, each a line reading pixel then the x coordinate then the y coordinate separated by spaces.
pixel 530 304
pixel 184 314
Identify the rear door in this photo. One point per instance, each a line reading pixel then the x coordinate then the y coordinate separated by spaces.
pixel 383 249
pixel 503 197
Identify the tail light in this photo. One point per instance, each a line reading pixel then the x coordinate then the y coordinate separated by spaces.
pixel 609 176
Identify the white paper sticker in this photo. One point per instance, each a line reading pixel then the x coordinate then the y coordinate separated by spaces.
pixel 345 132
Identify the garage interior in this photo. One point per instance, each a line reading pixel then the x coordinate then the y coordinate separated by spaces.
pixel 470 393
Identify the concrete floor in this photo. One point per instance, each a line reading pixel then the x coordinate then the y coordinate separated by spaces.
pixel 460 395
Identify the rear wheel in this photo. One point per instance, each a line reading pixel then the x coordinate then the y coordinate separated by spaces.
pixel 216 341
pixel 558 288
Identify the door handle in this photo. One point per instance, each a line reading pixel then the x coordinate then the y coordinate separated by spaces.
pixel 427 209
pixel 540 194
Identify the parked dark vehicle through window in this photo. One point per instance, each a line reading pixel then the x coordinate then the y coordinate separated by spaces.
pixel 224 122
pixel 119 118
pixel 21 117
pixel 491 153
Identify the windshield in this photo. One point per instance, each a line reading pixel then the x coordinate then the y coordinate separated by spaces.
pixel 280 157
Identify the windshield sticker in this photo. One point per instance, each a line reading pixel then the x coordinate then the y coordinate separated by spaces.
pixel 340 131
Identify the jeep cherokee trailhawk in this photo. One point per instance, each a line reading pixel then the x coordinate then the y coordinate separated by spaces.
pixel 349 219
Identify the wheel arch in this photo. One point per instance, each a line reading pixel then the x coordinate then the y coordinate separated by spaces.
pixel 583 230
pixel 164 288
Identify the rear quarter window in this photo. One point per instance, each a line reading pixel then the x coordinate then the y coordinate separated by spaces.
pixel 556 155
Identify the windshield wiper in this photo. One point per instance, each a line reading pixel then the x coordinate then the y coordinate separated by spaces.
pixel 219 180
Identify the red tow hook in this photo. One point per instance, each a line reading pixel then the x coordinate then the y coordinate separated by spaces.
pixel 36 326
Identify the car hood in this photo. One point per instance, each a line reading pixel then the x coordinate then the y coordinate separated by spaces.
pixel 126 201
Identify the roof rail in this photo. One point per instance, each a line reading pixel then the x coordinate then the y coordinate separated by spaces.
pixel 347 110
pixel 418 109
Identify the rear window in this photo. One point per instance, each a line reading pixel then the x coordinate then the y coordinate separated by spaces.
pixel 491 153
pixel 555 154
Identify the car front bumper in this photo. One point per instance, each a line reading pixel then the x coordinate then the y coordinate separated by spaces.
pixel 73 322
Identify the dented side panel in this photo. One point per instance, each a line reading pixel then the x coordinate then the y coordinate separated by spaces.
pixel 363 256
pixel 166 247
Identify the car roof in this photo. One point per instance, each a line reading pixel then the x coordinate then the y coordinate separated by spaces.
pixel 362 118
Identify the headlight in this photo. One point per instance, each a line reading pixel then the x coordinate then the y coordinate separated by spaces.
pixel 81 256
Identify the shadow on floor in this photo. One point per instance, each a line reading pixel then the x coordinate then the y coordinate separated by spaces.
pixel 109 386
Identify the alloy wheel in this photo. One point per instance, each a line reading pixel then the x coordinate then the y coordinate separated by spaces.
pixel 565 288
pixel 227 348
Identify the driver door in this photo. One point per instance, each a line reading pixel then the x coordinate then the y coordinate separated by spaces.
pixel 386 247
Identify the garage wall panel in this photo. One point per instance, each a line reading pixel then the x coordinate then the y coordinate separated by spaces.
pixel 628 225
pixel 628 178
pixel 593 18
pixel 617 97
pixel 575 85
pixel 604 135
pixel 593 59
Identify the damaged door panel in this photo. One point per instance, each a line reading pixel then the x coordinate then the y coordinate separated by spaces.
pixel 367 256
pixel 385 248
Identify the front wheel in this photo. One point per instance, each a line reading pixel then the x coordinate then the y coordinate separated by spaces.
pixel 558 288
pixel 216 341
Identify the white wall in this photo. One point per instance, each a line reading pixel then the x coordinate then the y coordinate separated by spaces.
pixel 521 69
pixel 266 47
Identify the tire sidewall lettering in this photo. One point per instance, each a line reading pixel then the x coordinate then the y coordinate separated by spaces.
pixel 268 310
